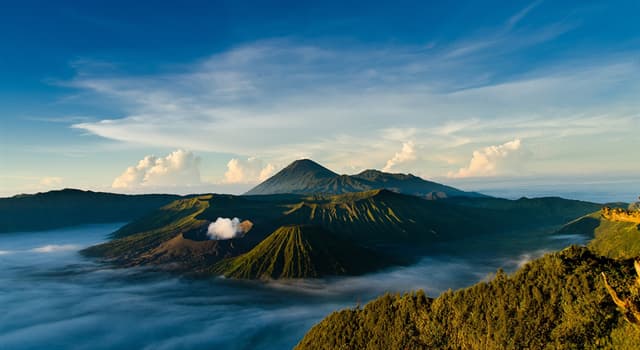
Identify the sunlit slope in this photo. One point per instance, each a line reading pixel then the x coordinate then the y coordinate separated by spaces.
pixel 382 216
pixel 611 238
pixel 177 233
pixel 135 239
pixel 296 251
pixel 556 302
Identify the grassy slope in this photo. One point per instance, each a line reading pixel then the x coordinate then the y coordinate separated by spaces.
pixel 614 239
pixel 176 218
pixel 390 222
pixel 70 207
pixel 383 217
pixel 300 252
pixel 556 302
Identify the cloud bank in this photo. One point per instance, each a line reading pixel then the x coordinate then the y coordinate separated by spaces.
pixel 501 159
pixel 249 171
pixel 407 154
pixel 179 168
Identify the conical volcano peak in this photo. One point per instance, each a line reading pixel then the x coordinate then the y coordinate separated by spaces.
pixel 308 166
pixel 301 251
pixel 304 176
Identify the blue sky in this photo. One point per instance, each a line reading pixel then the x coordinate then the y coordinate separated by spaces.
pixel 215 96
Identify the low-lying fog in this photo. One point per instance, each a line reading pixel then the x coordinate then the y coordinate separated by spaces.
pixel 53 298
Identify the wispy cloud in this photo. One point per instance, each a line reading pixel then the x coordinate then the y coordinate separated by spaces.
pixel 520 15
pixel 280 100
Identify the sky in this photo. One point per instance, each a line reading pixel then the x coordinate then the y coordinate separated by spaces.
pixel 215 96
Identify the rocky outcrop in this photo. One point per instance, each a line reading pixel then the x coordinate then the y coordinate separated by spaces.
pixel 619 214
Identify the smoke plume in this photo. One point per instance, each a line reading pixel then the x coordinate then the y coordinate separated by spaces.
pixel 225 228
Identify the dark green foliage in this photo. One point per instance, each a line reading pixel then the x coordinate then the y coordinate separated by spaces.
pixel 585 225
pixel 389 322
pixel 556 302
pixel 308 177
pixel 301 252
pixel 55 209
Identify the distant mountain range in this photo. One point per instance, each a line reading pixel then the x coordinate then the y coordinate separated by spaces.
pixel 308 177
pixel 68 207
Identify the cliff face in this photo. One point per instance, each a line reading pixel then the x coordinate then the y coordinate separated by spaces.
pixel 618 214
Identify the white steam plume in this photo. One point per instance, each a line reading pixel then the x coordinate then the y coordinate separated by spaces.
pixel 225 228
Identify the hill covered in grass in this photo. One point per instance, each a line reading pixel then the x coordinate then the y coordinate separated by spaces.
pixel 556 302
pixel 134 240
pixel 393 225
pixel 308 177
pixel 298 251
pixel 611 237
pixel 69 207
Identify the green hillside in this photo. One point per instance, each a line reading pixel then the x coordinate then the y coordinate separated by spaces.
pixel 69 207
pixel 137 238
pixel 540 212
pixel 296 251
pixel 390 223
pixel 385 217
pixel 556 302
pixel 611 238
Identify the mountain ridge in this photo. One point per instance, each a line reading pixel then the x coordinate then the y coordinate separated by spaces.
pixel 70 207
pixel 304 176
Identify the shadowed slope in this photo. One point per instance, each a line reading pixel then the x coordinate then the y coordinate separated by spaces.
pixel 410 184
pixel 69 207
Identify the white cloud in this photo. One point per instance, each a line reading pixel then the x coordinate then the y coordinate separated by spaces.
pixel 50 181
pixel 325 103
pixel 408 153
pixel 252 170
pixel 178 169
pixel 494 160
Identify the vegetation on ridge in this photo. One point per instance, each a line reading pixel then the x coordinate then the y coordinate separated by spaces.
pixel 610 237
pixel 555 302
